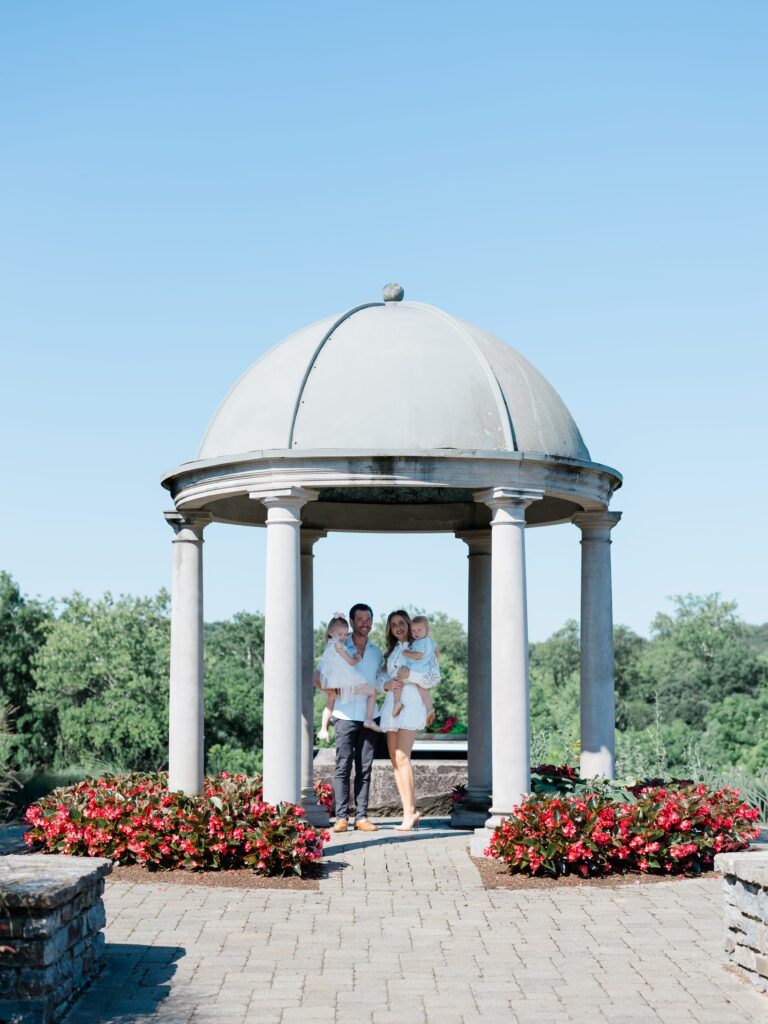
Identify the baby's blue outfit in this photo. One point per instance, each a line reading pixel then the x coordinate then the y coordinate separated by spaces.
pixel 428 663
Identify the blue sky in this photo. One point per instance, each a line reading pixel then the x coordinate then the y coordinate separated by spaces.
pixel 184 184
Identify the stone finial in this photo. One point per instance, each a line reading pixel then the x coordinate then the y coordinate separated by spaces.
pixel 393 293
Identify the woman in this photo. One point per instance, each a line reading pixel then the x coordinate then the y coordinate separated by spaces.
pixel 401 729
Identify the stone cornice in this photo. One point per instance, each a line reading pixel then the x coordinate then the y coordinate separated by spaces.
pixel 585 484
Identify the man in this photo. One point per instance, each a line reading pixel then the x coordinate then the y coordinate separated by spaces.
pixel 354 743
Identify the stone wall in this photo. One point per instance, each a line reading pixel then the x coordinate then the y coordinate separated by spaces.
pixel 434 781
pixel 51 916
pixel 745 889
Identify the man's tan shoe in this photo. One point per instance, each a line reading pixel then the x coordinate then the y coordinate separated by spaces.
pixel 366 826
pixel 341 825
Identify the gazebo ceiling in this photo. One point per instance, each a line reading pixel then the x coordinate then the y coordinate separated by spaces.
pixel 395 415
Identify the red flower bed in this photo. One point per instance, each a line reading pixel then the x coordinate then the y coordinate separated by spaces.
pixel 674 829
pixel 134 819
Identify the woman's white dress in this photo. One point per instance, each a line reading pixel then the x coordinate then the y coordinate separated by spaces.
pixel 338 674
pixel 414 714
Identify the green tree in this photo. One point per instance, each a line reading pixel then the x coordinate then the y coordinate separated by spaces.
pixel 557 658
pixel 234 691
pixel 554 675
pixel 628 648
pixel 450 695
pixel 102 684
pixel 555 698
pixel 24 625
pixel 736 734
pixel 758 639
pixel 697 657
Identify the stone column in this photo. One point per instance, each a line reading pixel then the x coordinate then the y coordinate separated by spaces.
pixel 315 812
pixel 509 657
pixel 598 714
pixel 472 811
pixel 282 645
pixel 185 712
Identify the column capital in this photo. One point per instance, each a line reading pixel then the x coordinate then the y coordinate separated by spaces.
pixel 283 497
pixel 308 538
pixel 183 522
pixel 478 541
pixel 508 504
pixel 596 525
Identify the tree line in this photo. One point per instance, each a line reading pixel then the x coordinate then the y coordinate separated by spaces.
pixel 85 683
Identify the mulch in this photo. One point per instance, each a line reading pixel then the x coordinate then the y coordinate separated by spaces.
pixel 494 876
pixel 240 878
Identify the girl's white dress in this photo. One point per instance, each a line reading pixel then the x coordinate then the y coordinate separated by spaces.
pixel 414 714
pixel 338 674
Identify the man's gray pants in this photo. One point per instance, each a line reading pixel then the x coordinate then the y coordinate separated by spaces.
pixel 354 747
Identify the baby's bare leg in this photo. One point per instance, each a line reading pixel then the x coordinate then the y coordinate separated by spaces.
pixel 326 720
pixel 397 694
pixel 426 697
pixel 370 707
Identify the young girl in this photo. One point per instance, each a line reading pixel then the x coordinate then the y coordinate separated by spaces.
pixel 422 655
pixel 336 669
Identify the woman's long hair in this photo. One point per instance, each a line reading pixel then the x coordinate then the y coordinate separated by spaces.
pixel 391 641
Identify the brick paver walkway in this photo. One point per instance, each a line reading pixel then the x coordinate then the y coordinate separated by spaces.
pixel 403 931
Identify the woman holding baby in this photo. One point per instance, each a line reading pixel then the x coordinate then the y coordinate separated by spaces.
pixel 409 670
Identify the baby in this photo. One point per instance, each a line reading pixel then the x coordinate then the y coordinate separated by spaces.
pixel 336 670
pixel 422 658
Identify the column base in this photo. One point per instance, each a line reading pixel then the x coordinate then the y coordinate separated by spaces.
pixel 468 817
pixel 595 764
pixel 314 812
pixel 480 841
pixel 471 812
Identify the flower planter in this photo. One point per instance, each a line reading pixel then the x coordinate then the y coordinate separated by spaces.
pixel 50 933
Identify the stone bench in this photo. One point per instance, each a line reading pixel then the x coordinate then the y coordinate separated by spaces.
pixel 51 916
pixel 745 889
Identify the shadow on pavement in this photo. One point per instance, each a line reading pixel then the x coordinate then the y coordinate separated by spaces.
pixel 429 830
pixel 133 983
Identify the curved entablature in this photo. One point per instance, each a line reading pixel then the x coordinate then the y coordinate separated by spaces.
pixel 377 491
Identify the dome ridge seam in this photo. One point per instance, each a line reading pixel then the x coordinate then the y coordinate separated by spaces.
pixel 504 414
pixel 318 349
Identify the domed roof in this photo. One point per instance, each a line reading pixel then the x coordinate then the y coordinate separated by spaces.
pixel 394 376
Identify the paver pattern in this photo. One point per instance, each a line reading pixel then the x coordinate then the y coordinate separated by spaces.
pixel 403 931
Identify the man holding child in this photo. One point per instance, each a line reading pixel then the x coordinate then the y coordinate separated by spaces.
pixel 354 743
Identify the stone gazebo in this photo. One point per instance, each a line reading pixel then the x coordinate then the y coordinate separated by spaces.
pixel 395 416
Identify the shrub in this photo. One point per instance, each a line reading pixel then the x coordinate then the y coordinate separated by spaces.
pixel 223 757
pixel 135 819
pixel 673 829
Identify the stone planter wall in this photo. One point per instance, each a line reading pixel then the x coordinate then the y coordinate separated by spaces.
pixel 745 889
pixel 433 780
pixel 51 916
